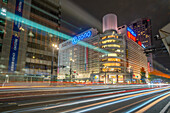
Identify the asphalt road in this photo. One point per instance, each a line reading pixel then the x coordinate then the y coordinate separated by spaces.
pixel 91 99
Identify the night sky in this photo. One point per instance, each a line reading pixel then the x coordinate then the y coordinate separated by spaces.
pixel 126 10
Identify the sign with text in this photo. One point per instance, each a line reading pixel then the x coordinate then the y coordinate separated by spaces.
pixel 18 12
pixel 13 54
pixel 80 37
pixel 132 35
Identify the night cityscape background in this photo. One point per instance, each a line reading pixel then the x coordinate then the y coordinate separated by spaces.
pixel 85 56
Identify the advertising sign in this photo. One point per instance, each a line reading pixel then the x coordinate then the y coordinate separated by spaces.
pixel 13 54
pixel 76 39
pixel 18 11
pixel 132 35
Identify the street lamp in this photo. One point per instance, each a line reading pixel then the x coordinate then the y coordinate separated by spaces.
pixel 106 68
pixel 54 46
pixel 71 60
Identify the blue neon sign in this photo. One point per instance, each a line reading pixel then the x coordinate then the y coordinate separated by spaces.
pixel 143 46
pixel 131 31
pixel 81 37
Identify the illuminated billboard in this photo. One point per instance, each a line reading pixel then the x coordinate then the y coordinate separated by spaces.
pixel 80 37
pixel 132 35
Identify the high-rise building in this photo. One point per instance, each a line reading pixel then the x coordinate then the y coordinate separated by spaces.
pixel 25 49
pixel 143 29
pixel 124 53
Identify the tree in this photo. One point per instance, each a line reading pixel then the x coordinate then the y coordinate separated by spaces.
pixel 143 73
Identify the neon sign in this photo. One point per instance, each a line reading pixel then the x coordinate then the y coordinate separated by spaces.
pixel 139 42
pixel 132 35
pixel 131 31
pixel 81 37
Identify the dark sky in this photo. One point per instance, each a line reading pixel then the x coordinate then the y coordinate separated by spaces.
pixel 126 10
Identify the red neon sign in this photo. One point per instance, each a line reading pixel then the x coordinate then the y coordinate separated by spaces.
pixel 139 42
pixel 131 36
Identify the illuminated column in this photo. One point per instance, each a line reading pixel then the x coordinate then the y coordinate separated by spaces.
pixel 109 22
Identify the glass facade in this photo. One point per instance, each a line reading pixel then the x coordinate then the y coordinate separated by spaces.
pixel 113 64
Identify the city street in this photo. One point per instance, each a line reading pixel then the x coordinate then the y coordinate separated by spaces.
pixel 92 99
pixel 84 56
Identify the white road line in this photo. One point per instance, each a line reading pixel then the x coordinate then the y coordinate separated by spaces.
pixel 165 108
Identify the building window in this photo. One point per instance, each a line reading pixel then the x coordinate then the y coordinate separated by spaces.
pixel 1 34
pixel 111 45
pixel 108 41
pixel 2 21
pixel 5 1
pixel 0 47
pixel 112 64
pixel 113 59
pixel 112 54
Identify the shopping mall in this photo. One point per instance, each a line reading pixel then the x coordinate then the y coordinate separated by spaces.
pixel 122 64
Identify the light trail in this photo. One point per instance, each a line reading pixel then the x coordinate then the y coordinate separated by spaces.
pixel 152 104
pixel 90 100
pixel 73 98
pixel 12 16
pixel 132 104
pixel 113 101
pixel 134 109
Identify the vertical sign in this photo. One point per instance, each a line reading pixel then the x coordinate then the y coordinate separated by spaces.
pixel 15 40
pixel 149 67
pixel 13 54
pixel 18 11
pixel 86 58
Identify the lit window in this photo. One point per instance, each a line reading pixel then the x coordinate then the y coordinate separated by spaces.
pixel 112 54
pixel 113 59
pixel 104 37
pixel 118 50
pixel 112 64
pixel 107 41
pixel 111 36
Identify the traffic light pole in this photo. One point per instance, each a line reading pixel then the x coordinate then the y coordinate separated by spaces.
pixel 52 61
pixel 70 71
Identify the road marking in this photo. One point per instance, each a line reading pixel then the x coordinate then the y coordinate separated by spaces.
pixel 131 104
pixel 72 98
pixel 12 103
pixel 146 103
pixel 165 108
pixel 89 100
pixel 54 93
pixel 109 101
pixel 152 104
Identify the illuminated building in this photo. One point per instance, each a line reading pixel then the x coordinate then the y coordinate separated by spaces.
pixel 82 60
pixel 135 58
pixel 143 29
pixel 126 53
pixel 34 51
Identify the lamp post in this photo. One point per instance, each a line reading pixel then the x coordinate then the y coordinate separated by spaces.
pixel 71 60
pixel 54 46
pixel 105 72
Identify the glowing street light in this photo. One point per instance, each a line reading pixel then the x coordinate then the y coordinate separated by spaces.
pixel 54 46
